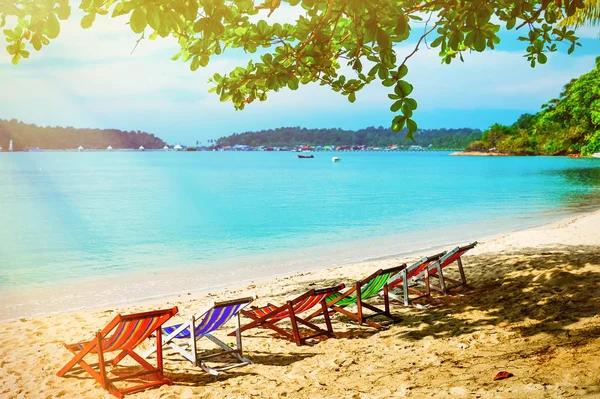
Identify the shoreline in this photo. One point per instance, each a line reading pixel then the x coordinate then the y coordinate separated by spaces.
pixel 140 286
pixel 533 309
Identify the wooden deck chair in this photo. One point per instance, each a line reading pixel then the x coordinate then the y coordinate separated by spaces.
pixel 268 316
pixel 403 283
pixel 128 331
pixel 362 291
pixel 449 258
pixel 179 337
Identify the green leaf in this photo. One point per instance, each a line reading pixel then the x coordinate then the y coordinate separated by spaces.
pixel 352 97
pixel 195 63
pixel 63 12
pixel 511 23
pixel 383 38
pixel 153 16
pixel 16 58
pixel 411 103
pixel 52 27
pixel 437 41
pixel 88 20
pixel 403 88
pixel 542 58
pixel 293 82
pixel 479 42
pixel 402 71
pixel 398 123
pixel 138 20
pixel 412 126
pixel 396 106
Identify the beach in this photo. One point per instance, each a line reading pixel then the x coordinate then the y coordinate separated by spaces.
pixel 533 310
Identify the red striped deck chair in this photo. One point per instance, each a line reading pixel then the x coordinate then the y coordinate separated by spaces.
pixel 436 271
pixel 128 331
pixel 179 337
pixel 268 316
pixel 358 295
pixel 402 284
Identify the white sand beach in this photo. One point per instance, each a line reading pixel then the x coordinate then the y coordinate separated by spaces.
pixel 533 310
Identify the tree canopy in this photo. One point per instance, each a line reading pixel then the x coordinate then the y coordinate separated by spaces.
pixel 566 125
pixel 328 35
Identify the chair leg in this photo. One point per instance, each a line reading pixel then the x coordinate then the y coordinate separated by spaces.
pixel 327 318
pixel 462 272
pixel 359 304
pixel 442 281
pixel 405 287
pixel 295 330
pixel 103 378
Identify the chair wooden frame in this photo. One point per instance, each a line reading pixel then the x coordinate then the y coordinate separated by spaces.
pixel 130 340
pixel 412 272
pixel 446 284
pixel 268 316
pixel 189 349
pixel 359 290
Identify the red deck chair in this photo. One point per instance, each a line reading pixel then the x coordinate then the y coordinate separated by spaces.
pixel 268 316
pixel 409 275
pixel 129 331
pixel 451 257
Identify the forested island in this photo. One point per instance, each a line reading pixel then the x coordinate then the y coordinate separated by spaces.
pixel 369 137
pixel 26 136
pixel 569 124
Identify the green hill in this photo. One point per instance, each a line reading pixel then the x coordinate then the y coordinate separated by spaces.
pixel 569 124
pixel 26 135
pixel 371 136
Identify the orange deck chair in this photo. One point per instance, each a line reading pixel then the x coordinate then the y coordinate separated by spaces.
pixel 128 331
pixel 267 316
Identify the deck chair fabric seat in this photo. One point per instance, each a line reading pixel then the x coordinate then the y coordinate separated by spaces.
pixel 360 292
pixel 268 316
pixel 180 338
pixel 128 331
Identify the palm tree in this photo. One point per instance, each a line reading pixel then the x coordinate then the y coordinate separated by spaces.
pixel 589 15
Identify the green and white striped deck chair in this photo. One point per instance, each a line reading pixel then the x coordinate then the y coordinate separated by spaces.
pixel 362 291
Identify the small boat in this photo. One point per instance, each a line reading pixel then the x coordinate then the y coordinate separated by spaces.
pixel 596 155
pixel 335 159
pixel 305 156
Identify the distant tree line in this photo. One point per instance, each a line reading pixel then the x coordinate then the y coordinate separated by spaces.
pixel 26 135
pixel 569 124
pixel 371 136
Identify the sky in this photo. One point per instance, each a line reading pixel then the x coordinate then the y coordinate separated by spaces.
pixel 90 78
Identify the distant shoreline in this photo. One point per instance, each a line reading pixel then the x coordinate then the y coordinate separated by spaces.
pixel 479 154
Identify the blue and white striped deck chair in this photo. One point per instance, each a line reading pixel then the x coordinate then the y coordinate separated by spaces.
pixel 179 337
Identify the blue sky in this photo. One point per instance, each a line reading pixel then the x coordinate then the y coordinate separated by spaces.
pixel 88 78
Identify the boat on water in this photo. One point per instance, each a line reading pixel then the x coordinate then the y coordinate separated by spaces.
pixel 305 156
pixel 335 159
pixel 596 155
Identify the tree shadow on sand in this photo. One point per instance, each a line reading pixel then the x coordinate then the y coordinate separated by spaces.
pixel 529 292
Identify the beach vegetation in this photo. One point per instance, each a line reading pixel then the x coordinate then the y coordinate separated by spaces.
pixel 342 44
pixel 569 124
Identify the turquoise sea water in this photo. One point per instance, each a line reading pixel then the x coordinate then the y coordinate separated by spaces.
pixel 123 222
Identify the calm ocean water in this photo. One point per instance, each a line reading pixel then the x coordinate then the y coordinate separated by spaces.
pixel 77 228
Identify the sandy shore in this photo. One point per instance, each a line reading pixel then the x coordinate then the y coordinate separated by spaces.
pixel 534 311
